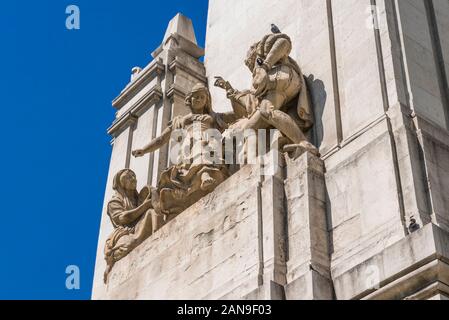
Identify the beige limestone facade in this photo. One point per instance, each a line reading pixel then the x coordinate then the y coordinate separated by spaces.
pixel 368 219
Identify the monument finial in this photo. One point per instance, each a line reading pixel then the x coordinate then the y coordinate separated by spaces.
pixel 182 26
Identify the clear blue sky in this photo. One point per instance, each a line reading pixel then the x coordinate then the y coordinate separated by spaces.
pixel 56 91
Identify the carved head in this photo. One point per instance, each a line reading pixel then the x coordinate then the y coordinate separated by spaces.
pixel 199 99
pixel 251 57
pixel 125 181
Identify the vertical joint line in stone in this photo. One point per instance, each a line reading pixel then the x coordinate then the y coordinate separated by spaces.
pixel 380 59
pixel 397 44
pixel 394 20
pixel 438 56
pixel 169 144
pixel 405 71
pixel 166 114
pixel 260 227
pixel 152 135
pixel 397 173
pixel 383 85
pixel 132 127
pixel 335 84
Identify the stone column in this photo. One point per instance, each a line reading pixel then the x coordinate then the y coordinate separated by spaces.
pixel 308 265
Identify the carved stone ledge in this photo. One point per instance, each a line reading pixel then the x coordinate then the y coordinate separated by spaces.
pixel 154 69
pixel 153 96
pixel 176 64
pixel 175 90
pixel 185 45
pixel 118 126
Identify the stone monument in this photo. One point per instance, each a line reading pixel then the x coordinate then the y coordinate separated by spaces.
pixel 356 204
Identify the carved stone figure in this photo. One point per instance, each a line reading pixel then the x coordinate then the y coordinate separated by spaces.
pixel 185 183
pixel 277 81
pixel 133 215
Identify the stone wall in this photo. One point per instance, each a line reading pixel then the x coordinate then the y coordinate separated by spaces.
pixel 375 91
pixel 254 237
pixel 381 106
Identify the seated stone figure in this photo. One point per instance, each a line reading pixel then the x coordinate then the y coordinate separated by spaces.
pixel 133 215
pixel 186 182
pixel 277 82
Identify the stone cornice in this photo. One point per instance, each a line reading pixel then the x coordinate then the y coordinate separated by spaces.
pixel 185 45
pixel 126 120
pixel 145 76
pixel 175 90
pixel 176 64
pixel 151 97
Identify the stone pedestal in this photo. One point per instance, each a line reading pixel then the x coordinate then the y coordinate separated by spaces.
pixel 255 237
pixel 308 264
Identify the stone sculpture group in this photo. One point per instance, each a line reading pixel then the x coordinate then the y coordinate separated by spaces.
pixel 278 99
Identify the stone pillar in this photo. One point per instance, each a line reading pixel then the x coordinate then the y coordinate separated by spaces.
pixel 271 223
pixel 308 264
pixel 179 53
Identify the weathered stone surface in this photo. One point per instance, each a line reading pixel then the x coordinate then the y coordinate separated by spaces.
pixel 401 269
pixel 420 54
pixel 308 245
pixel 242 249
pixel 191 260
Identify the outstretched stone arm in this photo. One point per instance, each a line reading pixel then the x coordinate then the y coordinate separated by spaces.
pixel 237 106
pixel 155 144
pixel 126 217
pixel 239 110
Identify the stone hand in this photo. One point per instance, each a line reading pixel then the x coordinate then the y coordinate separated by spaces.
pixel 222 83
pixel 138 153
pixel 147 203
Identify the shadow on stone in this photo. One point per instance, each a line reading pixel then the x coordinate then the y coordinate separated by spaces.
pixel 318 96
